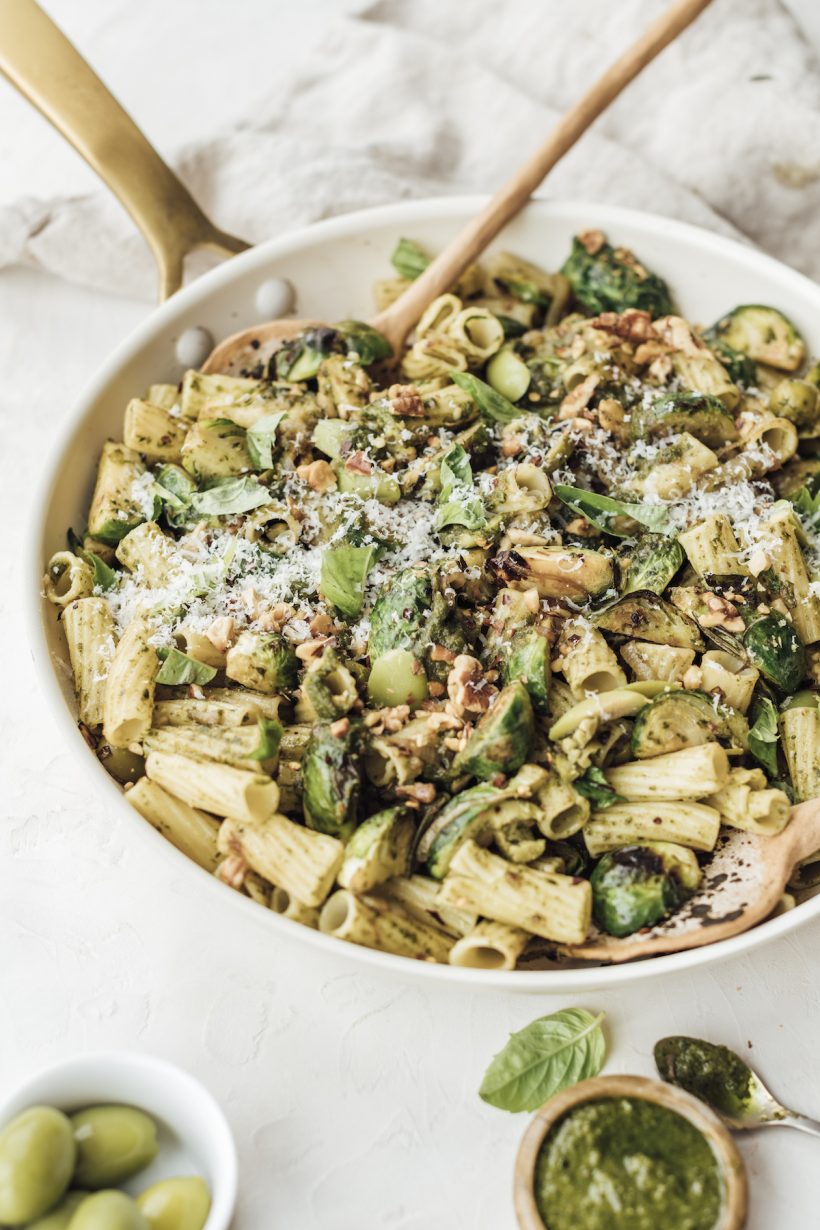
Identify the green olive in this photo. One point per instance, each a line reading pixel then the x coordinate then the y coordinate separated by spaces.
pixel 397 678
pixel 176 1204
pixel 37 1155
pixel 59 1218
pixel 508 374
pixel 109 1210
pixel 795 400
pixel 113 1143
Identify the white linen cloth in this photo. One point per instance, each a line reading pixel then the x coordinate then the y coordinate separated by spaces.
pixel 376 102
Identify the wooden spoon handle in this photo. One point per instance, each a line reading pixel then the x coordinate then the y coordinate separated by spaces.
pixel 399 318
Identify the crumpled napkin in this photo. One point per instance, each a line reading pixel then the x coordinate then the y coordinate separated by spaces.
pixel 410 100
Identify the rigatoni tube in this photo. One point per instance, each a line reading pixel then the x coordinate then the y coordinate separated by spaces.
pixel 686 824
pixel 800 730
pixel 89 632
pixel 218 788
pixel 688 774
pixel 554 906
pixel 130 686
pixel 376 923
pixel 191 831
pixel 302 862
pixel 746 802
pixel 490 945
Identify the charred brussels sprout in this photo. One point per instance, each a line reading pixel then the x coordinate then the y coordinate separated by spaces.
pixel 796 400
pixel 300 359
pixel 651 564
pixel 700 414
pixel 502 739
pixel 332 780
pixel 264 661
pixel 529 662
pixel 637 886
pixel 364 341
pixel 607 279
pixel 742 370
pixel 777 651
pixel 763 334
pixel 649 617
pixel 677 718
pixel 401 612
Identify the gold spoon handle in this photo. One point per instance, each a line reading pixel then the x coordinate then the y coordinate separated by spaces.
pixel 48 70
pixel 399 318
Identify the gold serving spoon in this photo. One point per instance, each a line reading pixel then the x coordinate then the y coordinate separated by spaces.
pixel 249 348
pixel 741 886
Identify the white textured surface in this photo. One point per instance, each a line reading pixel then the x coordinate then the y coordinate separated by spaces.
pixel 353 1098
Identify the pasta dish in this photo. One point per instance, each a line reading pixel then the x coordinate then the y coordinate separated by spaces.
pixel 467 653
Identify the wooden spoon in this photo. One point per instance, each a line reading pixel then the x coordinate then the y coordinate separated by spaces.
pixel 742 884
pixel 735 1192
pixel 244 351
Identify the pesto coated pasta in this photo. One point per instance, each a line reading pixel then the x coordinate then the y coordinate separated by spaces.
pixel 476 648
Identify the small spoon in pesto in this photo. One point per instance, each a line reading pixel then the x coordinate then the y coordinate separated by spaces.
pixel 723 1081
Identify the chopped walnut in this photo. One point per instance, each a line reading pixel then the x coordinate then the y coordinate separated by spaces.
pixel 317 474
pixel 679 334
pixel 692 678
pixel 443 721
pixel 511 446
pixel 222 633
pixel 633 325
pixel 592 241
pixel 581 528
pixel 232 870
pixel 312 649
pixel 721 614
pixel 579 398
pixel 405 400
pixel 612 417
pixel 758 562
pixel 440 653
pixel 435 688
pixel 650 350
pixel 469 691
pixel 420 792
pixel 321 624
pixel 340 728
pixel 357 463
pixel 393 719
pixel 275 619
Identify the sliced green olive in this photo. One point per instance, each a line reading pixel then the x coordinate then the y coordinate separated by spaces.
pixel 37 1154
pixel 113 1143
pixel 60 1218
pixel 176 1204
pixel 621 702
pixel 108 1210
pixel 397 678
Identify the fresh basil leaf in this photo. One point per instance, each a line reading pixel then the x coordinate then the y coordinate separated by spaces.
pixel 104 577
pixel 806 505
pixel 764 734
pixel 270 736
pixel 594 786
pixel 364 341
pixel 409 260
pixel 511 326
pixel 486 398
pixel 459 502
pixel 344 573
pixel 260 439
pixel 527 292
pixel 544 1057
pixel 224 496
pixel 601 511
pixel 178 669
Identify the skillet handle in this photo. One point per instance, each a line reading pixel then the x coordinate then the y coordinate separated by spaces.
pixel 49 71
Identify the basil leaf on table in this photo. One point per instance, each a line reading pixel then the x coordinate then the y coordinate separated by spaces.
pixel 260 439
pixel 601 511
pixel 489 402
pixel 224 496
pixel 409 260
pixel 178 669
pixel 544 1057
pixel 594 786
pixel 344 574
pixel 763 734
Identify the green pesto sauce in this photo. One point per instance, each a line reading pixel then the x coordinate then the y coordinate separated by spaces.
pixel 627 1164
pixel 712 1073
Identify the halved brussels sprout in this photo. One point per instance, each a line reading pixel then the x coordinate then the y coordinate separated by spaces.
pixel 795 400
pixel 699 414
pixel 647 616
pixel 609 279
pixel 401 612
pixel 556 572
pixel 764 334
pixel 637 886
pixel 742 370
pixel 329 686
pixel 379 849
pixel 529 661
pixel 502 740
pixel 650 564
pixel 777 651
pixel 676 719
pixel 264 661
pixel 802 472
pixel 332 780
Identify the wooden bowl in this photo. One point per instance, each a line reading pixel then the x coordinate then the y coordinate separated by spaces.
pixel 733 1213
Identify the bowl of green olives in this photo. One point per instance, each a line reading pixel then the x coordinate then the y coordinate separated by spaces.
pixel 115 1141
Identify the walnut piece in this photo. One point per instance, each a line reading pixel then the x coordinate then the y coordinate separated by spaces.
pixel 317 474
pixel 468 689
pixel 222 633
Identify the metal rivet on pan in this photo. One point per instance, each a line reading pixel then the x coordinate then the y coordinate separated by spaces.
pixel 194 346
pixel 275 298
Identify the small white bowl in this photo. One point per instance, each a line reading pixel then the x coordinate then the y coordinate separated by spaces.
pixel 194 1136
